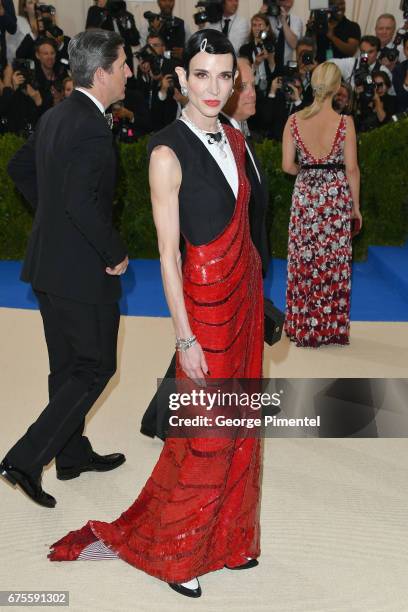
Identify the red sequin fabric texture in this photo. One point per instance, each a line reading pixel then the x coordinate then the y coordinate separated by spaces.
pixel 199 510
pixel 319 249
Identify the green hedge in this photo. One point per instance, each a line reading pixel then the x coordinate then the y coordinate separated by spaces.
pixel 384 196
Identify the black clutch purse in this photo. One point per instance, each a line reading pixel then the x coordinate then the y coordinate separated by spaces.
pixel 274 320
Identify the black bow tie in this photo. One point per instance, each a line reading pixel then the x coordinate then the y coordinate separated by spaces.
pixel 109 120
pixel 217 137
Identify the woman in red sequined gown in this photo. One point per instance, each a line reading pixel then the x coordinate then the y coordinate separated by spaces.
pixel 325 201
pixel 199 510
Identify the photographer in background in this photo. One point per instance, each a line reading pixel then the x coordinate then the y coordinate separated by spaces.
pixel 400 80
pixel 46 18
pixel 287 28
pixel 172 29
pixel 26 26
pixel 364 65
pixel 21 101
pixel 260 51
pixel 343 100
pixel 156 80
pixel 113 15
pixel 234 26
pixel 375 106
pixel 284 99
pixel 8 23
pixel 336 36
pixel 306 60
pixel 49 73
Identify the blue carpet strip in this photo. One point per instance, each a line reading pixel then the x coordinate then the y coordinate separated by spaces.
pixel 379 287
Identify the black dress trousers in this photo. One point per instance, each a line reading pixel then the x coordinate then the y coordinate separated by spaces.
pixel 81 340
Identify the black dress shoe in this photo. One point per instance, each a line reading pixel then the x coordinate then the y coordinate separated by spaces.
pixel 250 563
pixel 31 486
pixel 96 463
pixel 179 588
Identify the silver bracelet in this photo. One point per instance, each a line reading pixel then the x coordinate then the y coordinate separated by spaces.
pixel 183 344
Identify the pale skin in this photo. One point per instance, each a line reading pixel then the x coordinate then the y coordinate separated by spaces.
pixel 108 88
pixel 210 78
pixel 312 132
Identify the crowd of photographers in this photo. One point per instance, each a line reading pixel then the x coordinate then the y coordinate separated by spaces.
pixel 284 51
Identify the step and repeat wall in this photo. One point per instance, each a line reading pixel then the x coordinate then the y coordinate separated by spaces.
pixel 72 13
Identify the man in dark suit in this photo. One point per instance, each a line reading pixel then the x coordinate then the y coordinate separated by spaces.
pixel 239 108
pixel 66 170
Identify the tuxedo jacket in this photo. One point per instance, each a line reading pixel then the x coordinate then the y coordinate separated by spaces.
pixel 67 171
pixel 258 203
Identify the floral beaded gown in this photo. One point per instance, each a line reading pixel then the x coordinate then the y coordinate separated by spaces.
pixel 199 510
pixel 319 249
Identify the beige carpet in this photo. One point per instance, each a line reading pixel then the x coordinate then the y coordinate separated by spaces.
pixel 334 512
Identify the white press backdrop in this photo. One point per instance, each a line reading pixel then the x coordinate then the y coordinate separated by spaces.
pixel 72 13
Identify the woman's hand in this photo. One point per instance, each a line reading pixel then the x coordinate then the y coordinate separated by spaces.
pixel 193 362
pixel 356 214
pixel 261 57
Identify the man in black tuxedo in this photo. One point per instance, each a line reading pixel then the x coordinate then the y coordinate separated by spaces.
pixel 66 170
pixel 239 108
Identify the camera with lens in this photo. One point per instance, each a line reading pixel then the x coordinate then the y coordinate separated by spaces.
pixel 116 8
pixel 390 53
pixel 307 58
pixel 147 54
pixel 211 11
pixel 45 8
pixel 289 77
pixel 321 13
pixel 404 8
pixel 26 68
pixel 363 78
pixel 274 10
pixel 266 43
pixel 168 21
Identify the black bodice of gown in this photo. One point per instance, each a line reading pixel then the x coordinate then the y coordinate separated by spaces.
pixel 206 200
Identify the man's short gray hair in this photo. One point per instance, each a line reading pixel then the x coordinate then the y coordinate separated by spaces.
pixel 91 50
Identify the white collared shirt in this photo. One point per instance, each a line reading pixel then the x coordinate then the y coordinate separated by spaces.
pixel 296 25
pixel 94 100
pixel 239 30
pixel 237 126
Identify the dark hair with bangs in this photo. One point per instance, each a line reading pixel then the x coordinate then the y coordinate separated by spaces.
pixel 217 44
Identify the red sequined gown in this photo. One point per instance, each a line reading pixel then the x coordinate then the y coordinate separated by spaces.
pixel 319 249
pixel 199 510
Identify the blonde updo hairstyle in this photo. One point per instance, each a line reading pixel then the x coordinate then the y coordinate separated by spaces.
pixel 326 81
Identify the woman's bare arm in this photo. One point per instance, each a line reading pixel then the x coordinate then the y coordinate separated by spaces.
pixel 165 180
pixel 289 164
pixel 352 169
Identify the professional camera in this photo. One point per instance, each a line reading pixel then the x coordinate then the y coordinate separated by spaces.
pixel 288 79
pixel 265 44
pixel 46 8
pixel 274 10
pixel 26 68
pixel 321 12
pixel 147 54
pixel 307 58
pixel 210 10
pixel 168 21
pixel 116 8
pixel 363 78
pixel 404 8
pixel 392 54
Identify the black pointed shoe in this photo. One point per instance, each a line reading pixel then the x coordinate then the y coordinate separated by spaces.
pixel 250 563
pixel 179 588
pixel 96 463
pixel 31 486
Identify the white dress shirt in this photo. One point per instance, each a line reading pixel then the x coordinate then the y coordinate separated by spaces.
pixel 296 25
pixel 237 126
pixel 227 165
pixel 94 100
pixel 13 41
pixel 238 32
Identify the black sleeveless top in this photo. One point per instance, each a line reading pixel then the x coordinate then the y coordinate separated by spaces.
pixel 206 200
